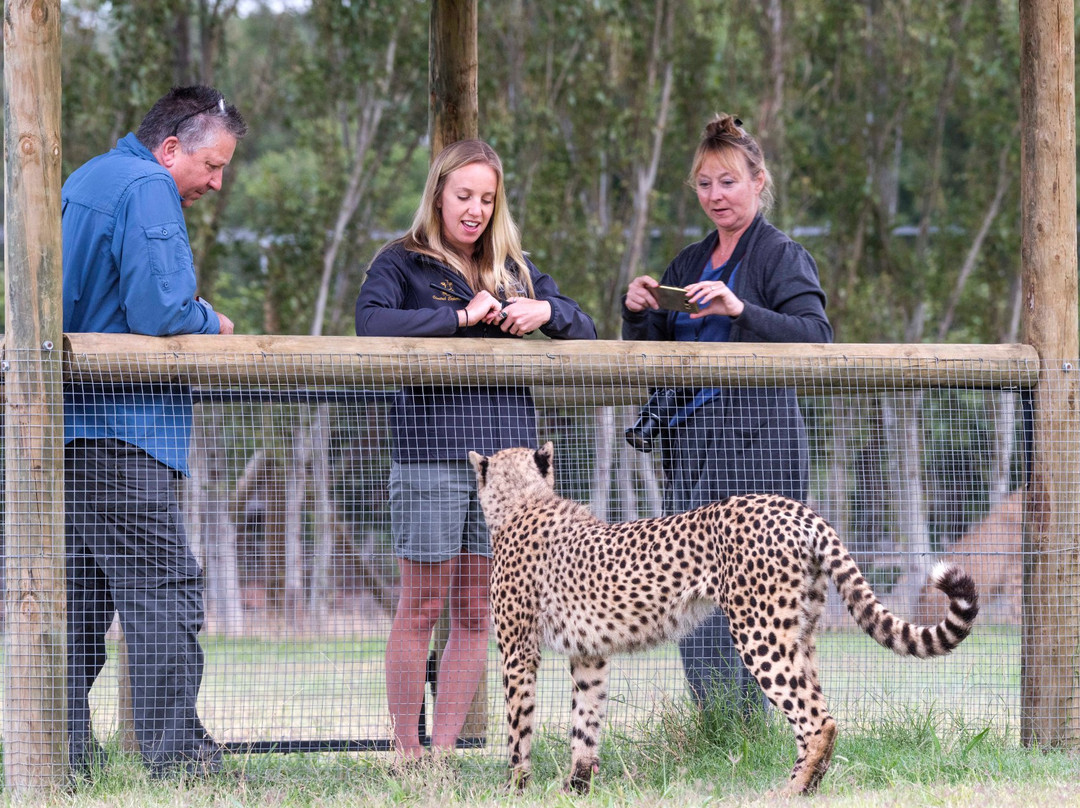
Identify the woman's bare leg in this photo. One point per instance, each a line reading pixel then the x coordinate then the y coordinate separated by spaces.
pixel 424 588
pixel 465 656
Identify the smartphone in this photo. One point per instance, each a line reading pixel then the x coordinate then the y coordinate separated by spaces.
pixel 673 298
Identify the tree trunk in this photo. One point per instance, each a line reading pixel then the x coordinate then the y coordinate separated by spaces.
pixel 1003 417
pixel 645 175
pixel 454 116
pixel 214 533
pixel 834 505
pixel 1004 181
pixel 624 478
pixel 646 472
pixel 901 413
pixel 125 707
pixel 770 124
pixel 605 463
pixel 373 102
pixel 325 528
pixel 295 499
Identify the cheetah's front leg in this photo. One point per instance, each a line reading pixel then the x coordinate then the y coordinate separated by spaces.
pixel 590 675
pixel 520 660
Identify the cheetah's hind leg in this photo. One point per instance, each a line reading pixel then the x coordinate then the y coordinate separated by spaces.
pixel 791 684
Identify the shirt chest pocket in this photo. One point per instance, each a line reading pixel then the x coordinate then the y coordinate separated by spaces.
pixel 168 251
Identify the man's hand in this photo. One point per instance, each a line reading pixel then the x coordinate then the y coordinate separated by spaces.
pixel 226 323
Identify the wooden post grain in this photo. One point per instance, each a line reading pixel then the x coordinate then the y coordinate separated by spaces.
pixel 452 61
pixel 1050 687
pixel 34 609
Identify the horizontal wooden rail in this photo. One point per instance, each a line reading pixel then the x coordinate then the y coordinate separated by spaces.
pixel 281 360
pixel 587 371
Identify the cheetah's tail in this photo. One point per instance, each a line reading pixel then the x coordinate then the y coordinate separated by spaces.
pixel 911 639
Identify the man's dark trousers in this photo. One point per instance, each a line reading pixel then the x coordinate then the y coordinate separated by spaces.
pixel 127 552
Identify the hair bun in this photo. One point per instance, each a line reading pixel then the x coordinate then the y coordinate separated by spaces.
pixel 724 124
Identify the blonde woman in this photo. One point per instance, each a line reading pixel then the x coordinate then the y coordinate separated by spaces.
pixel 459 272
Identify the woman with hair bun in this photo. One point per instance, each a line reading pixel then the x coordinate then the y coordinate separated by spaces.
pixel 750 283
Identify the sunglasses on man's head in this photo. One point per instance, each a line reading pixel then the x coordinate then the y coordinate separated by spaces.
pixel 219 105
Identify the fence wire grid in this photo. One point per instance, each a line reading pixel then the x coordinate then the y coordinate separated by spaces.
pixel 286 509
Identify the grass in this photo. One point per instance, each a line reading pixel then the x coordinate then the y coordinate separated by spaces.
pixel 679 757
pixel 269 689
pixel 940 732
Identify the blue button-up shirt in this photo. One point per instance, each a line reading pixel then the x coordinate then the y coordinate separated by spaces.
pixel 128 268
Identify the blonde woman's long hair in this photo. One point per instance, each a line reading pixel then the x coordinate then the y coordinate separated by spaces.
pixel 497 263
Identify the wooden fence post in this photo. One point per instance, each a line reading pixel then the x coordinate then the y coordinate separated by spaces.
pixel 1050 689
pixel 35 737
pixel 452 62
pixel 453 115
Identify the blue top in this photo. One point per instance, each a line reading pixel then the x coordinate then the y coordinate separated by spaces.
pixel 706 329
pixel 128 268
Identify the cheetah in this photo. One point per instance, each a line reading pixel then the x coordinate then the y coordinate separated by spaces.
pixel 565 580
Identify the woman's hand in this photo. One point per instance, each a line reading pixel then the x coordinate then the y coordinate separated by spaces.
pixel 482 308
pixel 714 297
pixel 639 294
pixel 521 315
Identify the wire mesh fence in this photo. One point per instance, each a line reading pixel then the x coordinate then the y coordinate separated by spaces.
pixel 293 460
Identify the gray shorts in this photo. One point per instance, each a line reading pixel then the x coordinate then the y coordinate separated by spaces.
pixel 434 511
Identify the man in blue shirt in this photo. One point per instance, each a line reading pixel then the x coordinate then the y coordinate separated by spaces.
pixel 128 268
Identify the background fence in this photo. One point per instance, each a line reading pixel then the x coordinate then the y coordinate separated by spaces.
pixel 916 453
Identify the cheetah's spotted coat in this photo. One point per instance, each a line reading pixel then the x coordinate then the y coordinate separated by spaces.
pixel 563 579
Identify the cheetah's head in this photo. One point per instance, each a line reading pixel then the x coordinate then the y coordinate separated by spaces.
pixel 511 476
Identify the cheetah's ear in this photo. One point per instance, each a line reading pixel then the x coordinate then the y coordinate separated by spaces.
pixel 544 456
pixel 480 465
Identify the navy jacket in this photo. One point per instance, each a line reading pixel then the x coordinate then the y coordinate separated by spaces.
pixel 397 299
